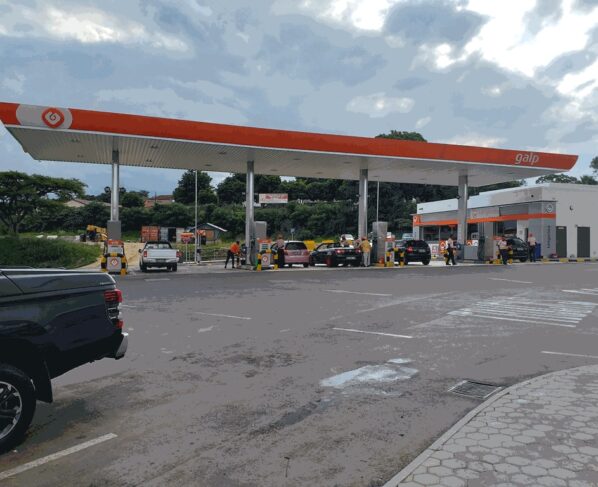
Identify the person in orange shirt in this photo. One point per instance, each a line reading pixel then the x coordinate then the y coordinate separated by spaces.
pixel 234 250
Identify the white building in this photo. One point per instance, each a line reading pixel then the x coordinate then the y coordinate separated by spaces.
pixel 562 217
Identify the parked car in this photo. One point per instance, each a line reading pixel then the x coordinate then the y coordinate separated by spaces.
pixel 415 251
pixel 51 321
pixel 158 253
pixel 295 252
pixel 520 248
pixel 334 254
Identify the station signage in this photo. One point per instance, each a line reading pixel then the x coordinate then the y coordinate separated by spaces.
pixel 273 198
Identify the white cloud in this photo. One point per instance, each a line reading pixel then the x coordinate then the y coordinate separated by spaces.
pixel 581 84
pixel 379 105
pixel 422 122
pixel 14 83
pixel 475 139
pixel 88 26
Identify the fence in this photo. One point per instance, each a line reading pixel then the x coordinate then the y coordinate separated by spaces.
pixel 207 253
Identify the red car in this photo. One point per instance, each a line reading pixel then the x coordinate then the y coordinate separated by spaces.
pixel 295 252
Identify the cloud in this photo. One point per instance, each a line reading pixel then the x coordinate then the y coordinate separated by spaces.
pixel 379 105
pixel 14 83
pixel 475 139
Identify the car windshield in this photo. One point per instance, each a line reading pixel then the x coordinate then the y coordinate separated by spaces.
pixel 517 241
pixel 160 245
pixel 295 246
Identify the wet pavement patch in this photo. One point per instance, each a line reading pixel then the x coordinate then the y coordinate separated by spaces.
pixel 372 379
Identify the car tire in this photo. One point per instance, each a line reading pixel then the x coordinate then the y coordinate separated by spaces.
pixel 21 394
pixel 312 262
pixel 174 268
pixel 523 260
pixel 406 261
pixel 290 265
pixel 143 268
pixel 426 262
pixel 329 262
pixel 305 265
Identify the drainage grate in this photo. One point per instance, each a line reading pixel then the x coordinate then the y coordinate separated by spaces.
pixel 476 390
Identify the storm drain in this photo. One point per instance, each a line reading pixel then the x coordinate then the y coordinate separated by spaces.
pixel 476 390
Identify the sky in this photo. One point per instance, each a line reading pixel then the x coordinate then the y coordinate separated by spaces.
pixel 517 74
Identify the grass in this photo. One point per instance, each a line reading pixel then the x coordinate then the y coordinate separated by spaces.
pixel 35 252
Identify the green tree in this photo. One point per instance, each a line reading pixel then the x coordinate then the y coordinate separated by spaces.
pixel 399 135
pixel 594 165
pixel 131 199
pixel 134 218
pixel 172 215
pixel 231 189
pixel 557 178
pixel 185 191
pixel 22 195
pixel 587 179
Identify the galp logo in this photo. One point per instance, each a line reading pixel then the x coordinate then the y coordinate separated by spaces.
pixel 527 158
pixel 52 117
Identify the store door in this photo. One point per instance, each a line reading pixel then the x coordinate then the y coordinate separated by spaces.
pixel 561 241
pixel 583 242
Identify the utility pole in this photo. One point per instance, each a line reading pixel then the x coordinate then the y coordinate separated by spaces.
pixel 377 200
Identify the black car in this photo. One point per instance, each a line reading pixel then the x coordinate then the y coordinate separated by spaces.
pixel 519 247
pixel 334 254
pixel 415 251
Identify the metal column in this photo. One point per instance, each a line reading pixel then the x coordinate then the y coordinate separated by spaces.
pixel 196 237
pixel 462 210
pixel 249 201
pixel 114 227
pixel 362 224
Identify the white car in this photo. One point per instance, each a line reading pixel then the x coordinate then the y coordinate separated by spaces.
pixel 158 254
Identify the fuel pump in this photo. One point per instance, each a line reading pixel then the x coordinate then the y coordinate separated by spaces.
pixel 379 247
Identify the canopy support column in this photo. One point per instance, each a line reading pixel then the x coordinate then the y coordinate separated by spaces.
pixel 462 210
pixel 114 227
pixel 249 201
pixel 362 222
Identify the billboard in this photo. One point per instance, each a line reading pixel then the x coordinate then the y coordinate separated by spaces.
pixel 271 198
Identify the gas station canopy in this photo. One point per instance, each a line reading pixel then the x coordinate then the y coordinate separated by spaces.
pixel 85 136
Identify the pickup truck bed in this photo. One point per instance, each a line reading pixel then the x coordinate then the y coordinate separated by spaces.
pixel 51 321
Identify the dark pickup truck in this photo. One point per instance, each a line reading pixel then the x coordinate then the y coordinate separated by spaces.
pixel 51 321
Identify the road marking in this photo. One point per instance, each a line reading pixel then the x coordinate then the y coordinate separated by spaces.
pixel 509 280
pixel 157 279
pixel 355 292
pixel 55 456
pixel 589 292
pixel 224 316
pixel 202 330
pixel 373 333
pixel 570 354
pixel 473 315
pixel 127 306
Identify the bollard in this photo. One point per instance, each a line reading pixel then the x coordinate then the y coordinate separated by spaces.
pixel 510 261
pixel 103 264
pixel 275 261
pixel 258 266
pixel 402 258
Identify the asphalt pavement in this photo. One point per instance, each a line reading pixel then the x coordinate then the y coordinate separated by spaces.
pixel 335 377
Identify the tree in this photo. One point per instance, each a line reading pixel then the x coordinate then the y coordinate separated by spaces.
pixel 231 189
pixel 399 135
pixel 557 178
pixel 587 179
pixel 185 191
pixel 172 215
pixel 594 165
pixel 131 199
pixel 22 195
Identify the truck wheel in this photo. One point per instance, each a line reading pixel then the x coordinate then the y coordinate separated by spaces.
pixel 143 268
pixel 174 267
pixel 17 405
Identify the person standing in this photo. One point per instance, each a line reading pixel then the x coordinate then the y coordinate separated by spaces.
pixel 503 248
pixel 531 242
pixel 233 251
pixel 450 251
pixel 366 249
pixel 280 250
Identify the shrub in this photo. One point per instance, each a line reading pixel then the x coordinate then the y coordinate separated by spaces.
pixel 46 253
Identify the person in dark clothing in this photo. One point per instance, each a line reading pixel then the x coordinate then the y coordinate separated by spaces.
pixel 280 251
pixel 450 251
pixel 503 248
pixel 233 251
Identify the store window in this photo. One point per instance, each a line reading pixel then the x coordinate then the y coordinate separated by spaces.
pixel 431 234
pixel 447 230
pixel 508 227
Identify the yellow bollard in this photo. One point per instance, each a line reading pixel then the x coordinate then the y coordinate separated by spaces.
pixel 402 258
pixel 258 267
pixel 275 261
pixel 510 261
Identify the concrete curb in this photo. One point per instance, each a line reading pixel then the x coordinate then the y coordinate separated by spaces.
pixel 434 447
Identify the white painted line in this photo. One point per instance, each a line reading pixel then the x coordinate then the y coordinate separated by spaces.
pixel 570 354
pixel 157 279
pixel 525 314
pixel 509 280
pixel 55 456
pixel 473 315
pixel 587 292
pixel 354 292
pixel 373 333
pixel 224 316
pixel 127 306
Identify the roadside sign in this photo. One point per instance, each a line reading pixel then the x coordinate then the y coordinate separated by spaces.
pixel 273 198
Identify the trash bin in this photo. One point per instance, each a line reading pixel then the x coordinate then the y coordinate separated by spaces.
pixel 198 255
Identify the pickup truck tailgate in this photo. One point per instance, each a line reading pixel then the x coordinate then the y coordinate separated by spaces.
pixel 161 254
pixel 51 280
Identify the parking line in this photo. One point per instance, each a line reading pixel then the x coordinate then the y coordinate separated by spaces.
pixel 509 280
pixel 55 456
pixel 157 279
pixel 570 354
pixel 223 316
pixel 473 315
pixel 355 292
pixel 373 333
